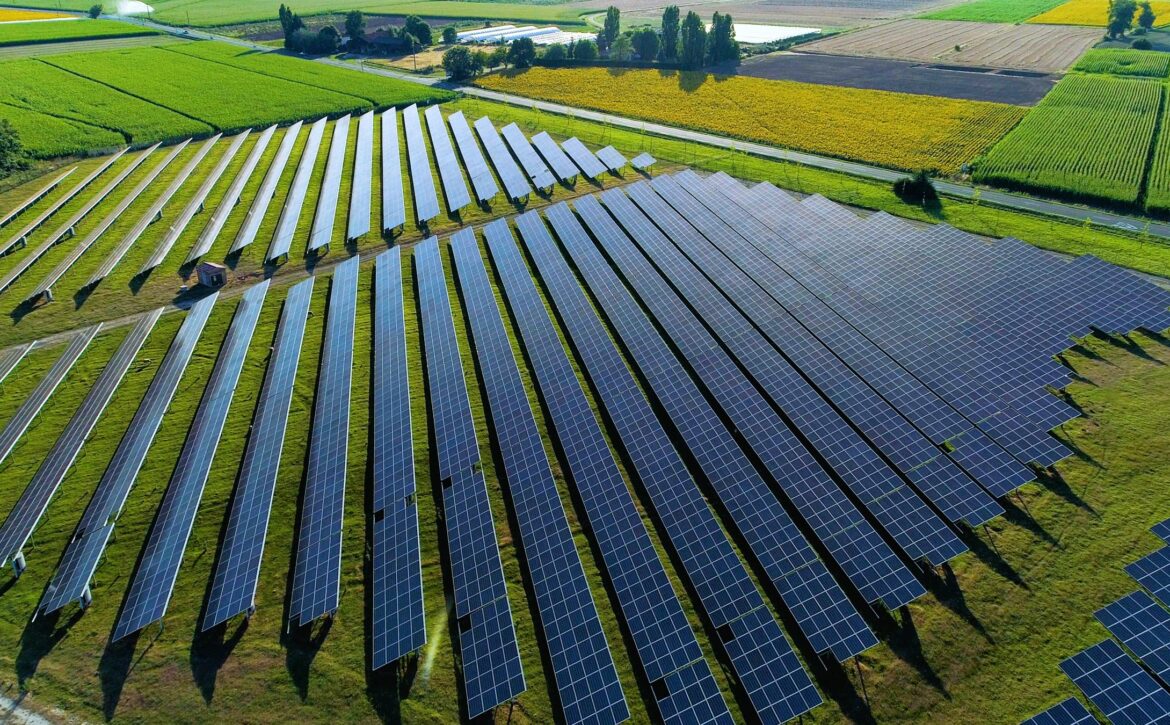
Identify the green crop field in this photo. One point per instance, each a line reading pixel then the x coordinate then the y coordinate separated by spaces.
pixel 44 136
pixel 57 31
pixel 1158 184
pixel 994 11
pixel 1118 62
pixel 1088 139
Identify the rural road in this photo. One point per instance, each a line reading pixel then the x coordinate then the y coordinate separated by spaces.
pixel 1018 202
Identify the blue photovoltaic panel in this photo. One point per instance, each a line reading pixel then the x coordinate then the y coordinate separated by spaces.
pixel 11 357
pixel 583 158
pixel 237 572
pixel 583 669
pixel 393 196
pixel 231 197
pixel 154 580
pixel 514 182
pixel 1161 529
pixel 1142 626
pixel 264 195
pixel 81 556
pixel 23 206
pixel 541 177
pixel 612 159
pixel 317 582
pixel 326 214
pixel 560 163
pixel 664 640
pixel 723 586
pixel 643 161
pixel 1153 573
pixel 473 160
pixel 32 503
pixel 22 237
pixel 454 188
pixel 426 201
pixel 290 214
pixel 487 639
pixel 40 395
pixel 398 625
pixel 1118 686
pixel 1068 712
pixel 358 222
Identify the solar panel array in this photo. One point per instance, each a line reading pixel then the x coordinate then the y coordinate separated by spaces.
pixel 317 578
pixel 219 217
pixel 31 505
pixel 492 671
pixel 515 184
pixel 454 188
pixel 358 223
pixel 11 357
pixel 393 196
pixel 583 158
pixel 326 214
pixel 255 215
pixel 1118 686
pixel 85 548
pixel 422 184
pixel 612 158
pixel 482 179
pixel 37 195
pixel 1153 572
pixel 1160 529
pixel 1066 712
pixel 290 214
pixel 582 666
pixel 237 570
pixel 1139 623
pixel 560 163
pixel 21 237
pixel 158 568
pixel 643 161
pixel 541 177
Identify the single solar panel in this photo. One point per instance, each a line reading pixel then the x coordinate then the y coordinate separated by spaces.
pixel 153 213
pixel 583 158
pixel 317 580
pixel 393 196
pixel 1118 686
pixel 358 221
pixel 80 560
pixel 237 571
pixel 195 205
pixel 28 410
pixel 481 176
pixel 218 218
pixel 33 502
pixel 541 177
pixel 643 161
pixel 426 202
pixel 398 626
pixel 290 214
pixel 11 357
pixel 454 188
pixel 264 195
pixel 1067 712
pixel 154 580
pixel 560 163
pixel 612 159
pixel 37 195
pixel 514 182
pixel 21 237
pixel 321 232
pixel 1160 529
pixel 1142 626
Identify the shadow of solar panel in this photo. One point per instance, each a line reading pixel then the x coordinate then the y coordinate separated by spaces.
pixel 583 158
pixel 154 579
pixel 1068 712
pixel 290 213
pixel 1117 685
pixel 473 160
pixel 393 196
pixel 454 188
pixel 264 195
pixel 426 202
pixel 358 221
pixel 515 184
pixel 82 554
pixel 1142 626
pixel 317 578
pixel 325 215
pixel 219 217
pixel 237 571
pixel 398 625
pixel 560 163
pixel 541 177
pixel 25 516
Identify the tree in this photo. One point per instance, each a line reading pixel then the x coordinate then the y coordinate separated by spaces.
pixel 609 32
pixel 11 151
pixel 450 36
pixel 917 189
pixel 556 53
pixel 522 53
pixel 669 45
pixel 721 45
pixel 419 29
pixel 498 57
pixel 1142 44
pixel 290 23
pixel 461 64
pixel 1146 18
pixel 95 11
pixel 1121 14
pixel 481 59
pixel 586 50
pixel 694 41
pixel 355 28
pixel 622 49
pixel 645 42
pixel 328 41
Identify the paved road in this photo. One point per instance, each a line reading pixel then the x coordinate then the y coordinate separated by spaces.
pixel 1018 202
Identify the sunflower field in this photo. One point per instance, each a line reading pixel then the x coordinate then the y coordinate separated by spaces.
pixel 896 130
pixel 1093 12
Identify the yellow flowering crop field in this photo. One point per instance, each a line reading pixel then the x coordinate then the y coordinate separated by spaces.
pixel 897 130
pixel 1093 12
pixel 12 15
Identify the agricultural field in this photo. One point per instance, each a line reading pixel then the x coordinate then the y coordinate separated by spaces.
pixel 819 119
pixel 1139 63
pixel 45 136
pixel 15 15
pixel 67 30
pixel 1044 49
pixel 1089 139
pixel 994 11
pixel 1093 12
pixel 1158 181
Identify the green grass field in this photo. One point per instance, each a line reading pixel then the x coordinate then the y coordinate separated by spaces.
pixel 67 30
pixel 994 11
pixel 46 136
pixel 1140 63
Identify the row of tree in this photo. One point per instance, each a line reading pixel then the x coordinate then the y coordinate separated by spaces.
pixel 414 34
pixel 687 43
pixel 1123 13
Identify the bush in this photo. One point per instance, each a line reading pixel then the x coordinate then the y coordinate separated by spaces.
pixel 917 189
pixel 461 64
pixel 95 11
pixel 1142 44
